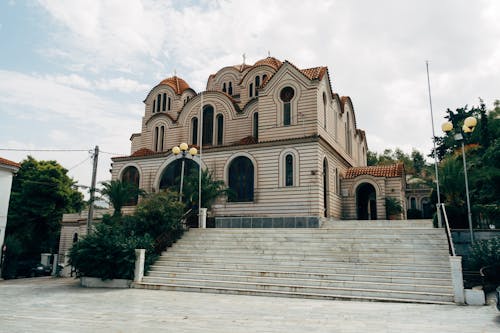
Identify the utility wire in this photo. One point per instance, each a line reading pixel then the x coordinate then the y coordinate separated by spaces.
pixel 52 150
pixel 80 163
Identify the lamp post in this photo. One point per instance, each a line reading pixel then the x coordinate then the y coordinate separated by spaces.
pixel 468 127
pixel 183 150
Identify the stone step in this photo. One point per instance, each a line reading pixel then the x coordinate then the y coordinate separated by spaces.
pixel 365 275
pixel 306 261
pixel 297 288
pixel 330 223
pixel 202 289
pixel 318 231
pixel 391 270
pixel 320 281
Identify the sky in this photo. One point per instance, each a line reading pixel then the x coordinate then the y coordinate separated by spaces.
pixel 74 74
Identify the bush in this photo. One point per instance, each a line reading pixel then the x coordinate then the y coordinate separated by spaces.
pixel 392 207
pixel 413 213
pixel 108 253
pixel 485 252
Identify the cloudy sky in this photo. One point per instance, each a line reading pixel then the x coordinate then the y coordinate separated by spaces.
pixel 73 74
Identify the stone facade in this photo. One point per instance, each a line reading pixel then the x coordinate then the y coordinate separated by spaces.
pixel 289 137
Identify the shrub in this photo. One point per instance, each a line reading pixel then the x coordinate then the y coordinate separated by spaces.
pixel 413 213
pixel 485 252
pixel 392 206
pixel 108 253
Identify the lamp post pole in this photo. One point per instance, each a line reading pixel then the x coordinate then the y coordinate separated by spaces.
pixel 468 127
pixel 183 150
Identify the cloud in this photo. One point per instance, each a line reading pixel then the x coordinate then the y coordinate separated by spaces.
pixel 122 85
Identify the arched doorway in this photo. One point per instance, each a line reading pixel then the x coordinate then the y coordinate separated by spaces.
pixel 131 175
pixel 171 176
pixel 241 179
pixel 366 202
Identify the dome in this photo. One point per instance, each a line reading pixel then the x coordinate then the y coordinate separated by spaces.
pixel 270 61
pixel 176 83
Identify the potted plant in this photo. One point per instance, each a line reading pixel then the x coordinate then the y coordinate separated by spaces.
pixel 393 208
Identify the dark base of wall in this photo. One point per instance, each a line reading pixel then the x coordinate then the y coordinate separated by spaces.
pixel 267 222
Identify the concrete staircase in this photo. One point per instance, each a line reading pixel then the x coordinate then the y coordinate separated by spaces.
pixel 402 261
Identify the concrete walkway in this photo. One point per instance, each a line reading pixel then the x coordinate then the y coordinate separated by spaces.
pixel 60 305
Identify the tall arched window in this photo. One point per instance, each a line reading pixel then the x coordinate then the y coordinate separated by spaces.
pixel 194 131
pixel 257 85
pixel 224 87
pixel 286 96
pixel 348 136
pixel 250 90
pixel 230 88
pixel 131 175
pixel 159 134
pixel 208 125
pixel 256 126
pixel 264 77
pixel 153 109
pixel 289 170
pixel 241 179
pixel 158 102
pixel 413 203
pixel 220 128
pixel 324 110
pixel 169 104
pixel 164 106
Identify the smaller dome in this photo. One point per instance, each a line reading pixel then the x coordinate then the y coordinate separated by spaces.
pixel 270 61
pixel 176 83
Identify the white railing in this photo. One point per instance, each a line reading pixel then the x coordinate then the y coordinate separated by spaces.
pixel 448 231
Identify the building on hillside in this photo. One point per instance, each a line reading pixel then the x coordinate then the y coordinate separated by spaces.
pixel 279 137
pixel 7 171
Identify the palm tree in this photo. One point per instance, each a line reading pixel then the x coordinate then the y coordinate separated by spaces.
pixel 120 193
pixel 211 189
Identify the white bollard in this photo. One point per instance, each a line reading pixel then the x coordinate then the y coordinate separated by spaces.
pixel 203 218
pixel 140 257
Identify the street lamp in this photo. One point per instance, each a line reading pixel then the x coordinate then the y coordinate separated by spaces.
pixel 183 150
pixel 468 127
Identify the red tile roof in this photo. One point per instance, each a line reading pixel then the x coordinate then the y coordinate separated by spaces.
pixel 9 163
pixel 270 61
pixel 315 73
pixel 176 83
pixel 143 152
pixel 389 171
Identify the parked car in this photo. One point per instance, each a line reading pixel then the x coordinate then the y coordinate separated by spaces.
pixel 31 268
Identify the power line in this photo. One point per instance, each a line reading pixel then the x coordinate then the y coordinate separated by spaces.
pixel 115 154
pixel 50 150
pixel 80 163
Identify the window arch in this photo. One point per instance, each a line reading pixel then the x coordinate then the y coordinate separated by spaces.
pixel 264 77
pixel 194 131
pixel 164 105
pixel 208 125
pixel 256 126
pixel 230 88
pixel 286 96
pixel 257 85
pixel 220 128
pixel 413 203
pixel 159 134
pixel 131 176
pixel 289 170
pixel 158 102
pixel 153 109
pixel 250 90
pixel 241 179
pixel 224 87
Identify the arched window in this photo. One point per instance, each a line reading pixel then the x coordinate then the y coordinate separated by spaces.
pixel 286 96
pixel 349 136
pixel 158 102
pixel 289 170
pixel 250 90
pixel 169 104
pixel 158 138
pixel 337 181
pixel 153 109
pixel 208 125
pixel 224 87
pixel 164 106
pixel 194 131
pixel 264 77
pixel 413 203
pixel 257 85
pixel 256 126
pixel 230 88
pixel 131 175
pixel 324 110
pixel 75 237
pixel 241 179
pixel 220 128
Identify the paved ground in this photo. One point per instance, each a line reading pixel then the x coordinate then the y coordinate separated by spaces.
pixel 60 305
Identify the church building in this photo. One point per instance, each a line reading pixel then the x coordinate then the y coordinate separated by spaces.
pixel 280 137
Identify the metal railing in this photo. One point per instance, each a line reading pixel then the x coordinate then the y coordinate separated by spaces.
pixel 448 231
pixel 167 238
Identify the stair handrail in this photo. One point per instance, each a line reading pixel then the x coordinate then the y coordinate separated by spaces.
pixel 165 239
pixel 448 231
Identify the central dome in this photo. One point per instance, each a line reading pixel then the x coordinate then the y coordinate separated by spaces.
pixel 176 83
pixel 270 61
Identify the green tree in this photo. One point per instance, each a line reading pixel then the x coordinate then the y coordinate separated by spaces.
pixel 120 194
pixel 41 192
pixel 211 189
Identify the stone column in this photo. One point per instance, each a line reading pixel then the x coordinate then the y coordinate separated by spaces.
pixel 457 279
pixel 140 256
